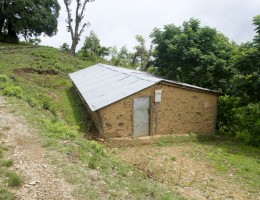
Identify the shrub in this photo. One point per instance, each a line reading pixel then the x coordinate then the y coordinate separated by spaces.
pixel 13 91
pixel 48 104
pixel 247 124
pixel 241 122
pixel 59 130
pixel 3 78
pixel 226 113
pixel 32 101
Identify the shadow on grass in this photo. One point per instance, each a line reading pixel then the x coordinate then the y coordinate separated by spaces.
pixel 80 113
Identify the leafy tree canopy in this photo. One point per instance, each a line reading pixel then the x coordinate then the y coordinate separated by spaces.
pixel 28 17
pixel 246 82
pixel 142 55
pixel 92 48
pixel 193 54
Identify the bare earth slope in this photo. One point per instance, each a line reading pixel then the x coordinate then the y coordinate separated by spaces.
pixel 30 160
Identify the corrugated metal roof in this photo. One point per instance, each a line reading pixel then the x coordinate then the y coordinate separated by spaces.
pixel 102 85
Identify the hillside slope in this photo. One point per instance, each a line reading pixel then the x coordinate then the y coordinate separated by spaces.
pixel 36 85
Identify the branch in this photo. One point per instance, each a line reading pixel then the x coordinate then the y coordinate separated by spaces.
pixel 67 4
pixel 82 28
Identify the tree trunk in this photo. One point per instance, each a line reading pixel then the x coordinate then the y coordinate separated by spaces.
pixel 2 21
pixel 11 35
pixel 73 47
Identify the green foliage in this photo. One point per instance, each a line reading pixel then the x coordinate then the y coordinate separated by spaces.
pixel 51 59
pixel 242 122
pixel 246 82
pixel 92 49
pixel 7 163
pixel 142 55
pixel 36 41
pixel 65 48
pixel 13 91
pixel 13 179
pixel 256 22
pixel 226 114
pixel 121 58
pixel 3 78
pixel 29 17
pixel 32 101
pixel 60 131
pixel 48 104
pixel 193 54
pixel 6 195
pixel 248 124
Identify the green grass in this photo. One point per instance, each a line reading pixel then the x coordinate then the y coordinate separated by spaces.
pixel 231 158
pixel 6 195
pixel 55 109
pixel 13 179
pixel 7 163
pixel 227 156
pixel 7 178
pixel 2 44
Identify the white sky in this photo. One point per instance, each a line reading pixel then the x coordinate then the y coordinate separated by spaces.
pixel 116 22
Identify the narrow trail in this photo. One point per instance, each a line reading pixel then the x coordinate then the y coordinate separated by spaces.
pixel 31 161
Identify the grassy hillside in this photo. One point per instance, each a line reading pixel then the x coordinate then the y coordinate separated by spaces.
pixel 35 81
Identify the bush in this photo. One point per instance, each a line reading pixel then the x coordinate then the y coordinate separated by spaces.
pixel 3 78
pixel 226 113
pixel 32 101
pixel 247 124
pixel 241 122
pixel 48 104
pixel 13 91
pixel 60 131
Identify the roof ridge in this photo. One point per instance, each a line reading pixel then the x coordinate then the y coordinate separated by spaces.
pixel 135 73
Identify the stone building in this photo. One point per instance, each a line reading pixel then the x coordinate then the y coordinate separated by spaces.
pixel 130 103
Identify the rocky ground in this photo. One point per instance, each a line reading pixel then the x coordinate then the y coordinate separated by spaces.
pixel 31 160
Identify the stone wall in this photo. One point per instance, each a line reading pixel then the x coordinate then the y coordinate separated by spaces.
pixel 181 111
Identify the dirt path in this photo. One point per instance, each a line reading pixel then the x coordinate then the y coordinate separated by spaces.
pixel 30 160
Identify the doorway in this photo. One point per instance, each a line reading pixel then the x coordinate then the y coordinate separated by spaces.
pixel 141 116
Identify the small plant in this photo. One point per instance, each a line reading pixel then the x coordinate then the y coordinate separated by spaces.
pixel 3 78
pixel 93 162
pixel 6 128
pixel 13 91
pixel 6 195
pixel 48 104
pixel 173 158
pixel 7 163
pixel 32 101
pixel 60 131
pixel 13 179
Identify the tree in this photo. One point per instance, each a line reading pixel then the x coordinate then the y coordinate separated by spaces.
pixel 79 16
pixel 122 57
pixel 92 49
pixel 246 82
pixel 193 54
pixel 28 18
pixel 65 47
pixel 141 54
pixel 256 22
